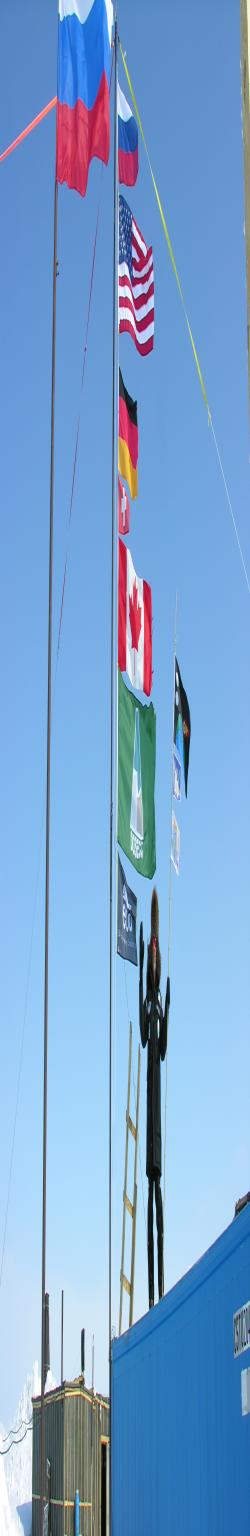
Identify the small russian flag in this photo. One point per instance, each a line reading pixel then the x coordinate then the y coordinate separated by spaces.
pixel 127 142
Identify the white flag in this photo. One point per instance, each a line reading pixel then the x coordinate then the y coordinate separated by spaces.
pixel 175 845
pixel 176 776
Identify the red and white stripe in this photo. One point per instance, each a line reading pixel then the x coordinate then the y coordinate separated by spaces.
pixel 136 299
pixel 136 662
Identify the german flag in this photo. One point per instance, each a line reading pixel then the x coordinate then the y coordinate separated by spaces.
pixel 128 438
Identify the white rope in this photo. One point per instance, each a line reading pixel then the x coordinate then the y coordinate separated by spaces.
pixel 230 505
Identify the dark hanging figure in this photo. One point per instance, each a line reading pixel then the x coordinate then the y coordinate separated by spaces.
pixel 154 1030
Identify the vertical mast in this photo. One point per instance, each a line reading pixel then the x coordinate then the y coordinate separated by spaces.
pixel 112 654
pixel 46 956
pixel 92 1412
pixel 62 1307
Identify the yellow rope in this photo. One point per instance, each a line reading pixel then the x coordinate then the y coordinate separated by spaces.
pixel 195 354
pixel 167 236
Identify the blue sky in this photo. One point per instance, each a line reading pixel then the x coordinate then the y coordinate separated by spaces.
pixel 185 67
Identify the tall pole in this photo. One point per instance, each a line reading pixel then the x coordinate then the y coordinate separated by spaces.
pixel 92 1411
pixel 62 1338
pixel 113 568
pixel 46 955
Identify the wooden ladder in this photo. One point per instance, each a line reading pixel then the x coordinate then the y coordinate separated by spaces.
pixel 128 1285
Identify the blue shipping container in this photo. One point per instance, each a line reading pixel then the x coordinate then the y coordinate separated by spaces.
pixel 180 1443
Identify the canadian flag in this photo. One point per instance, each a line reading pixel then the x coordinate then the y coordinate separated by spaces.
pixel 134 623
pixel 123 508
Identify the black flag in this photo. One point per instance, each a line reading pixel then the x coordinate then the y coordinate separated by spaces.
pixel 182 722
pixel 126 918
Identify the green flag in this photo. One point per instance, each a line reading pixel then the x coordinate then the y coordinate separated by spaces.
pixel 136 780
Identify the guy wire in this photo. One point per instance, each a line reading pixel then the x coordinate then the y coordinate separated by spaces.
pixel 54 690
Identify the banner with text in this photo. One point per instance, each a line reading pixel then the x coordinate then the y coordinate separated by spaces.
pixel 136 780
pixel 126 918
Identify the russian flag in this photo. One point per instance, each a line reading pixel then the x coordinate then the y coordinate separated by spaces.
pixel 127 142
pixel 84 60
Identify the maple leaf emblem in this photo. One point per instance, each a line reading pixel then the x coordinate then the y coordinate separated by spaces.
pixel 135 618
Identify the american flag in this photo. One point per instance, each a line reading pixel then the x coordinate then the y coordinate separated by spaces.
pixel 135 281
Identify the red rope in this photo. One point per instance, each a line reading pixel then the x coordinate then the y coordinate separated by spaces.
pixel 27 130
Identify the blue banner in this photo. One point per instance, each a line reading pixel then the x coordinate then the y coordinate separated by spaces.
pixel 126 918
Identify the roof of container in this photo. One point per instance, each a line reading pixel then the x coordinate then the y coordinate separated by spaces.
pixel 71 1389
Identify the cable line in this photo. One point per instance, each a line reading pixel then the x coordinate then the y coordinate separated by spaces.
pixel 230 505
pixel 17 1442
pixel 79 413
pixel 56 666
pixel 16 1431
pixel 181 294
pixel 21 1050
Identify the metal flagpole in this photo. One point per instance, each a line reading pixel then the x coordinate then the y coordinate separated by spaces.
pixel 62 1321
pixel 170 898
pixel 92 1411
pixel 113 566
pixel 46 956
